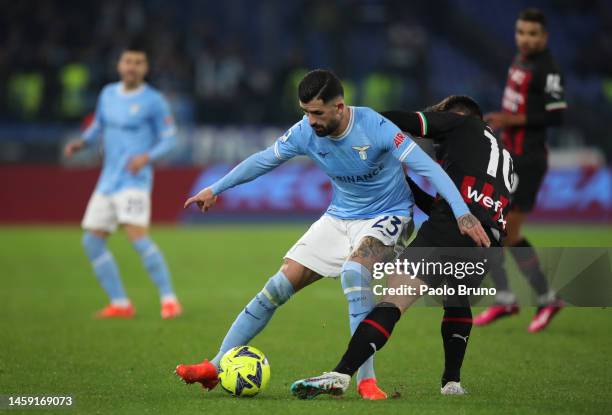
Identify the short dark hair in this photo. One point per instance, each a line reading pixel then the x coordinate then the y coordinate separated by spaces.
pixel 136 45
pixel 461 103
pixel 320 84
pixel 533 15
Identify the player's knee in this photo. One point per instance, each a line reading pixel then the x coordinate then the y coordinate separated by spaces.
pixel 145 246
pixel 93 244
pixel 135 233
pixel 297 274
pixel 278 289
pixel 354 275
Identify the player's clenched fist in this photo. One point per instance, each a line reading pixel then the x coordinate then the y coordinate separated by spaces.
pixel 205 199
pixel 73 147
pixel 470 226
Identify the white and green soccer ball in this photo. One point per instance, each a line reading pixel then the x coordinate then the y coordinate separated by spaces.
pixel 244 371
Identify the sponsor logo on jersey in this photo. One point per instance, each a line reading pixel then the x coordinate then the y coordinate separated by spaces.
pixel 399 139
pixel 512 99
pixel 134 108
pixel 484 199
pixel 517 75
pixel 361 178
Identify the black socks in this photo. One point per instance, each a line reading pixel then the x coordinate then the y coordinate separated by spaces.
pixel 456 327
pixel 370 336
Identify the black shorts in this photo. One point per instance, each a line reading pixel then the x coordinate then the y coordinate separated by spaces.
pixel 529 174
pixel 454 259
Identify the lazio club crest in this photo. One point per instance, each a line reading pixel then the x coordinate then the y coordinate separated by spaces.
pixel 362 151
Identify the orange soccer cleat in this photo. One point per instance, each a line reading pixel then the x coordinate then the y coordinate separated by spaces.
pixel 116 311
pixel 204 373
pixel 171 309
pixel 368 389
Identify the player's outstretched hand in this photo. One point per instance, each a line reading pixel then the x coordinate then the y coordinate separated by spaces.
pixel 73 147
pixel 138 162
pixel 205 199
pixel 470 226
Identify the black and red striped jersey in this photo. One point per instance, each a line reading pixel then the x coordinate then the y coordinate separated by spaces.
pixel 473 157
pixel 534 88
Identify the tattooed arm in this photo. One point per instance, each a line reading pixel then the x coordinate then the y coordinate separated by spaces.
pixel 470 226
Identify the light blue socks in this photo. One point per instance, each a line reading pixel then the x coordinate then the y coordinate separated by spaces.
pixel 155 265
pixel 105 268
pixel 356 280
pixel 256 314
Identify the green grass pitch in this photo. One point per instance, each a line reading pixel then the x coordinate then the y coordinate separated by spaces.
pixel 51 345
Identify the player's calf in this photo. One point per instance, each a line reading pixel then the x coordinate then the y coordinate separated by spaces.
pixel 355 279
pixel 371 335
pixel 156 266
pixel 105 268
pixel 256 314
pixel 455 328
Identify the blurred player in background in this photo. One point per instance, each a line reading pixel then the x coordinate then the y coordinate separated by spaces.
pixel 137 129
pixel 362 152
pixel 533 101
pixel 484 176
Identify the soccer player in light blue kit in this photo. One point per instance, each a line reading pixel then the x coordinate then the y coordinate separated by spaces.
pixel 362 152
pixel 137 129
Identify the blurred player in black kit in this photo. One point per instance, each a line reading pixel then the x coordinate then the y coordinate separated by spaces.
pixel 533 101
pixel 481 168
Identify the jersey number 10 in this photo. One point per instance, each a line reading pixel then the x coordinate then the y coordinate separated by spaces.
pixel 494 161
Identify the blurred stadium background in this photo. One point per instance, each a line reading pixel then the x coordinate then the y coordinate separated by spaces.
pixel 230 70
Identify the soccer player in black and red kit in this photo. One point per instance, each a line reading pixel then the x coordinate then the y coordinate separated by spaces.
pixel 482 169
pixel 533 101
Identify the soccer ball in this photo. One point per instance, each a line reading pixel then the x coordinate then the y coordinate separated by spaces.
pixel 244 371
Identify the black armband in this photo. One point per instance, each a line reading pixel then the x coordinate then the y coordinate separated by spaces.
pixel 423 200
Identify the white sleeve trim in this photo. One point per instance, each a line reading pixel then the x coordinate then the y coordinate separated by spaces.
pixel 556 106
pixel 169 132
pixel 407 151
pixel 277 151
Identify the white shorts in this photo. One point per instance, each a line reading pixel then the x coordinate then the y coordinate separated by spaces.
pixel 329 241
pixel 129 206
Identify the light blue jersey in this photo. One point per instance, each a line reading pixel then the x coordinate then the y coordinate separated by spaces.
pixel 131 123
pixel 364 165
